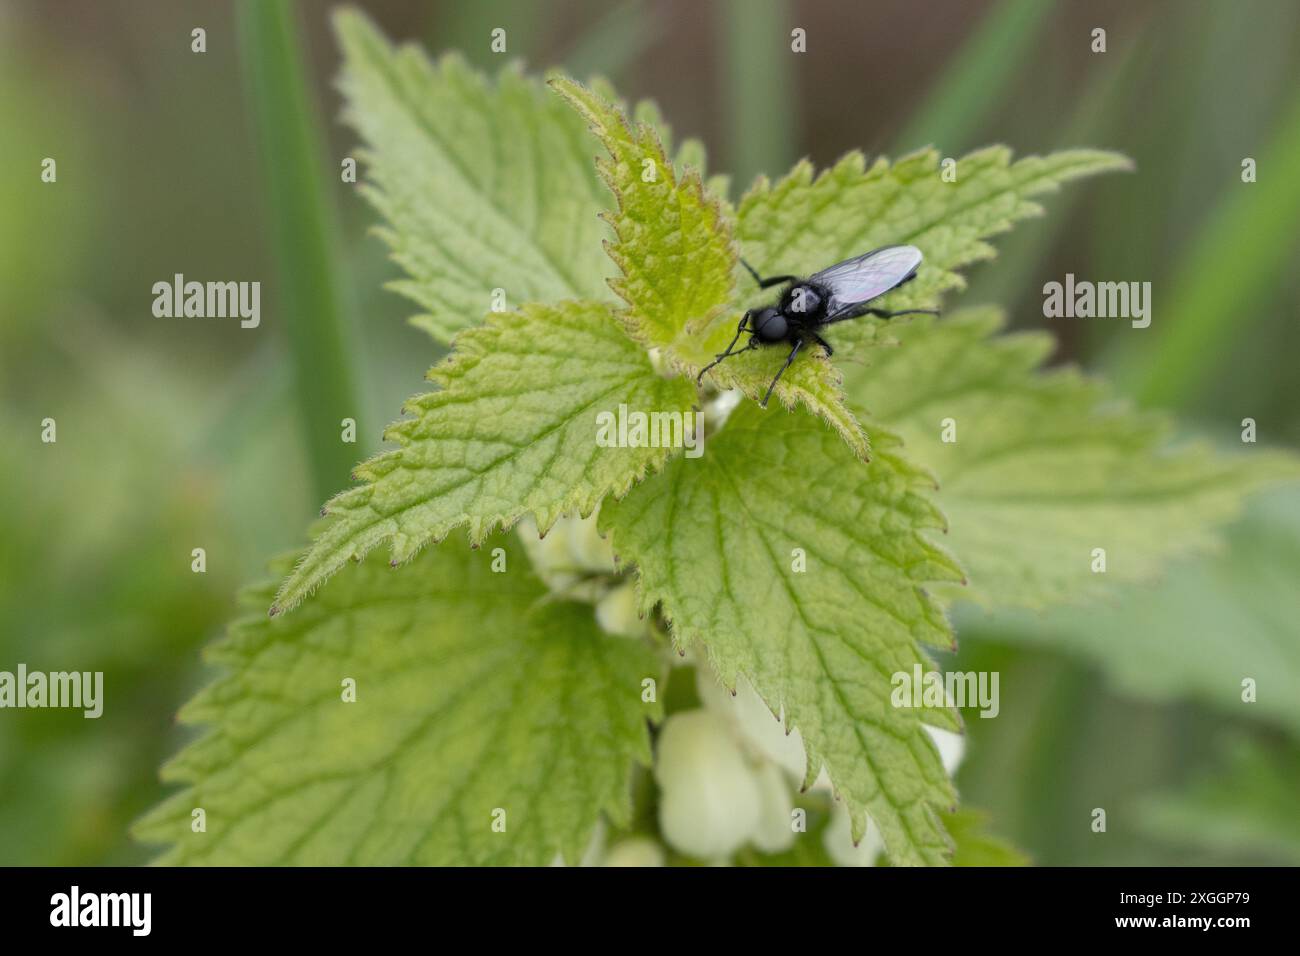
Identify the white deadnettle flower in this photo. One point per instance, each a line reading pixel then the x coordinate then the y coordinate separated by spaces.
pixel 773 833
pixel 635 851
pixel 837 838
pixel 710 801
pixel 590 552
pixel 761 730
pixel 616 612
pixel 549 556
pixel 952 747
pixel 571 551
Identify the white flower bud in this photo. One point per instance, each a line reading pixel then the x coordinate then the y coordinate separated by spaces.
pixel 774 833
pixel 616 612
pixel 635 851
pixel 710 800
pixel 549 556
pixel 587 549
pixel 838 840
pixel 952 747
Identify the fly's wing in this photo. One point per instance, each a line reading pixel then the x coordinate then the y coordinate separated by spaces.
pixel 857 281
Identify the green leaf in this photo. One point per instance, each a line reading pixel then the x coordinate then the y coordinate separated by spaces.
pixel 714 540
pixel 975 846
pixel 1047 465
pixel 484 185
pixel 1246 805
pixel 672 243
pixel 1200 630
pixel 511 431
pixel 471 696
pixel 673 246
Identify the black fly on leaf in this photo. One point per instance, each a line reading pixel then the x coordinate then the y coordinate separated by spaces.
pixel 843 291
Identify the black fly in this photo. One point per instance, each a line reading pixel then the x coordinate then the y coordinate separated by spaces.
pixel 841 292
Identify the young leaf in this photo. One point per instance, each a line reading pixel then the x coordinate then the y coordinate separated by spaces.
pixel 720 541
pixel 673 245
pixel 484 186
pixel 511 430
pixel 1047 460
pixel 471 698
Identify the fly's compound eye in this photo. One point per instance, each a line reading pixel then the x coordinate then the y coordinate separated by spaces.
pixel 769 325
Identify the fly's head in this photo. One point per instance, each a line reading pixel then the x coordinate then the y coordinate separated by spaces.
pixel 769 325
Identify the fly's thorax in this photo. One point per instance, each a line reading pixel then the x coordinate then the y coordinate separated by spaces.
pixel 803 301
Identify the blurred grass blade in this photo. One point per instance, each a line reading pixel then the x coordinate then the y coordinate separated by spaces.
pixel 1025 250
pixel 309 288
pixel 975 80
pixel 614 40
pixel 759 88
pixel 1247 242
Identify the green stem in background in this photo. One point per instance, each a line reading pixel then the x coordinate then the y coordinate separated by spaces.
pixel 304 237
pixel 1247 242
pixel 759 88
pixel 1016 282
pixel 614 40
pixel 975 80
pixel 467 27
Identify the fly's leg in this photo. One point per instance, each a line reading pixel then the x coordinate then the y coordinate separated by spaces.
pixel 722 355
pixel 824 344
pixel 883 314
pixel 788 359
pixel 770 280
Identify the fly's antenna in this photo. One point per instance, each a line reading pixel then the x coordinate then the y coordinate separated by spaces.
pixel 741 327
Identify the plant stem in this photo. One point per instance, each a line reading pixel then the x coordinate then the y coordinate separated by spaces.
pixel 759 86
pixel 963 96
pixel 304 236
pixel 1247 243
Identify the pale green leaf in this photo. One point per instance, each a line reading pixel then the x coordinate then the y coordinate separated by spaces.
pixel 484 185
pixel 511 430
pixel 473 695
pixel 1047 465
pixel 715 540
pixel 1205 626
pixel 673 246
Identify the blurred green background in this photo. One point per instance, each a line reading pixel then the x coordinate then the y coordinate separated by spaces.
pixel 176 435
